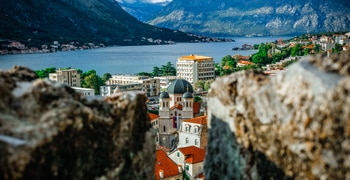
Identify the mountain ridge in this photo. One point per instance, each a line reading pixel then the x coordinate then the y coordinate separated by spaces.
pixel 252 17
pixel 99 21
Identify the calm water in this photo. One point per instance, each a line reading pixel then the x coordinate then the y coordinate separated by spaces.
pixel 129 59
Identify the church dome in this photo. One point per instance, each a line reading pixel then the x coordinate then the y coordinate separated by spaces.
pixel 164 95
pixel 180 86
pixel 187 95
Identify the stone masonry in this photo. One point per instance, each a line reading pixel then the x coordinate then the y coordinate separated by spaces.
pixel 295 125
pixel 49 131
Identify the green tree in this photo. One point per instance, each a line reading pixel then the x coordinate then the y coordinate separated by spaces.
pixel 106 76
pixel 207 84
pixel 168 69
pixel 91 80
pixel 199 85
pixel 156 71
pixel 317 48
pixel 144 74
pixel 296 50
pixel 44 73
pixel 228 65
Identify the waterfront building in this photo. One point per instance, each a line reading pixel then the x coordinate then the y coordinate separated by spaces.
pixel 110 89
pixel 85 91
pixel 70 77
pixel 194 68
pixel 150 86
pixel 164 81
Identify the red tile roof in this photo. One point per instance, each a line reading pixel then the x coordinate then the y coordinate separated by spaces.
pixel 193 154
pixel 152 116
pixel 163 162
pixel 197 120
pixel 200 176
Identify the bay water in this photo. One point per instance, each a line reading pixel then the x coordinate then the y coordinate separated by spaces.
pixel 130 59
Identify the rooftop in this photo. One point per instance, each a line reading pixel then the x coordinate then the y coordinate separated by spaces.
pixel 163 162
pixel 152 116
pixel 197 120
pixel 193 154
pixel 193 57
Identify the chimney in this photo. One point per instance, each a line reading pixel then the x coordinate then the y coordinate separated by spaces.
pixel 161 174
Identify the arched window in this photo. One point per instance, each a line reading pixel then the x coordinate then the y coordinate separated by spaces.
pixel 164 128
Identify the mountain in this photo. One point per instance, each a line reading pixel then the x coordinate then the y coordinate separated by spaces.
pixel 141 10
pixel 254 17
pixel 97 21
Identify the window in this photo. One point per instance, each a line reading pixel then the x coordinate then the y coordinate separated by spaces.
pixel 164 128
pixel 196 142
pixel 186 140
pixel 178 154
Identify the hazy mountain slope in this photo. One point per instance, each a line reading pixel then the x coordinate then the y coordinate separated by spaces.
pixel 142 11
pixel 101 21
pixel 236 17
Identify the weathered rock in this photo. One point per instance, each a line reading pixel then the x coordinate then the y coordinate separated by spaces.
pixel 49 131
pixel 291 126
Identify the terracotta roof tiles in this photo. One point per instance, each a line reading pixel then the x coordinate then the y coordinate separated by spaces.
pixel 152 116
pixel 193 154
pixel 197 120
pixel 165 164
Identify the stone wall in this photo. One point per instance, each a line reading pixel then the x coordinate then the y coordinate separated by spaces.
pixel 49 131
pixel 295 125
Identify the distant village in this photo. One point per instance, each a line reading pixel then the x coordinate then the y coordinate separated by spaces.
pixel 177 108
pixel 16 47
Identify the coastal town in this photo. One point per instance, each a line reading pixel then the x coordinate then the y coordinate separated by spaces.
pixel 177 104
pixel 16 47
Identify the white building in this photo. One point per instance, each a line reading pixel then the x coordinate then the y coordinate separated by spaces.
pixel 165 168
pixel 327 43
pixel 164 81
pixel 175 106
pixel 70 77
pixel 150 86
pixel 193 132
pixel 191 159
pixel 194 68
pixel 85 91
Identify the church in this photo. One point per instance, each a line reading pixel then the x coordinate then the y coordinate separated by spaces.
pixel 175 106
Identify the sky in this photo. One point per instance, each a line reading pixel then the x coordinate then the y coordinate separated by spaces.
pixel 144 1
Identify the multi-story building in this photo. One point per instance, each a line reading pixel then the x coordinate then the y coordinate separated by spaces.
pixel 85 91
pixel 70 77
pixel 193 132
pixel 150 86
pixel 164 81
pixel 191 158
pixel 194 68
